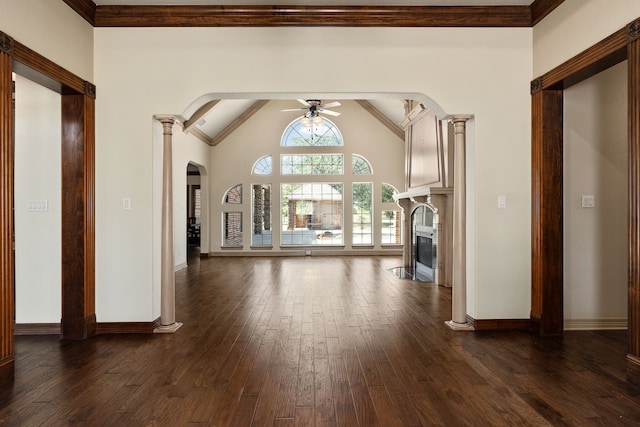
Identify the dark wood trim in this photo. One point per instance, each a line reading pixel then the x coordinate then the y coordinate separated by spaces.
pixel 312 16
pixel 36 329
pixel 541 8
pixel 7 369
pixel 127 327
pixel 546 267
pixel 633 369
pixel 78 223
pixel 546 215
pixel 84 8
pixel 597 58
pixel 499 324
pixel 633 130
pixel 6 214
pixel 38 68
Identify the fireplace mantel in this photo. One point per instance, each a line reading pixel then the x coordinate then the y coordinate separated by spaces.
pixel 440 198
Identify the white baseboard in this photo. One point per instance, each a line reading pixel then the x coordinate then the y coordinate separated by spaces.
pixel 180 266
pixel 608 323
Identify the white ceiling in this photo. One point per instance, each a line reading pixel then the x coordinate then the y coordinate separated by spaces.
pixel 321 2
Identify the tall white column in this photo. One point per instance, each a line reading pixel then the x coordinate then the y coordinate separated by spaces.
pixel 459 291
pixel 168 322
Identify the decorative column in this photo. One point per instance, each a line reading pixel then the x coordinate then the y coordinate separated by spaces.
pixel 168 322
pixel 459 292
pixel 441 199
pixel 406 205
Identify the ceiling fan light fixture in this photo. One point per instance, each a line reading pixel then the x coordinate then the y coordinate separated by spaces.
pixel 305 121
pixel 317 120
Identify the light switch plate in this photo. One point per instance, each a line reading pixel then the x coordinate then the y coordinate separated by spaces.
pixel 126 204
pixel 588 201
pixel 502 202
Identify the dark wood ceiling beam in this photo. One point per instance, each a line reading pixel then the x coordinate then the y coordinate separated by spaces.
pixel 313 16
pixel 84 8
pixel 541 8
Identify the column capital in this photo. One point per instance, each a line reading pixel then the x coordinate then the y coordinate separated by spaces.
pixel 167 123
pixel 460 119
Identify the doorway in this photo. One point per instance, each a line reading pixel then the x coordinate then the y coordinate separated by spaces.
pixel 194 207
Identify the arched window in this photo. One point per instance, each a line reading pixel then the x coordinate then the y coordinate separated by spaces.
pixel 234 195
pixel 388 191
pixel 361 166
pixel 322 135
pixel 262 166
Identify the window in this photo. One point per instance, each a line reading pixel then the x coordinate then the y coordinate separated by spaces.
pixel 388 191
pixel 362 212
pixel 311 214
pixel 324 135
pixel 262 166
pixel 391 225
pixel 360 165
pixel 390 231
pixel 234 195
pixel 311 164
pixel 261 235
pixel 232 229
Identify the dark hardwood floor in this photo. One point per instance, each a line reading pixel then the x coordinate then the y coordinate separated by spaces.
pixel 318 341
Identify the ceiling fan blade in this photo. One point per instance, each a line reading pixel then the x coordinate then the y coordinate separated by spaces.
pixel 331 104
pixel 305 103
pixel 330 113
pixel 294 109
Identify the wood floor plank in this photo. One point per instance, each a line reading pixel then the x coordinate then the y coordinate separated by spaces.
pixel 315 341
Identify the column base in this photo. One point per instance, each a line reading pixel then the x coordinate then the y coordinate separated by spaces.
pixel 459 326
pixel 167 329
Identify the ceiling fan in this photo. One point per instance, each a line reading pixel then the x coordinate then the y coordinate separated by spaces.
pixel 313 108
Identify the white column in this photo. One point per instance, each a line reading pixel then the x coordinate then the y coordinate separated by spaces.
pixel 459 291
pixel 406 206
pixel 168 322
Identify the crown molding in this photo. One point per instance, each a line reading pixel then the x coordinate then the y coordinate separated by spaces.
pixel 313 16
pixel 84 8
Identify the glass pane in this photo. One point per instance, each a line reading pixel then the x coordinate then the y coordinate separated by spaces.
pixel 387 193
pixel 261 235
pixel 311 214
pixel 311 164
pixel 262 166
pixel 234 195
pixel 232 229
pixel 391 227
pixel 360 165
pixel 324 135
pixel 362 213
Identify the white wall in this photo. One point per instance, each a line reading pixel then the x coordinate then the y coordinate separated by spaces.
pixel 53 30
pixel 186 148
pixel 141 72
pixel 595 163
pixel 37 177
pixel 576 25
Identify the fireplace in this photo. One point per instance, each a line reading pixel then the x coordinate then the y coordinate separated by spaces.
pixel 424 253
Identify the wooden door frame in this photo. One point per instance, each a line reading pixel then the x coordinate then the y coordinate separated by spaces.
pixel 546 182
pixel 77 201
